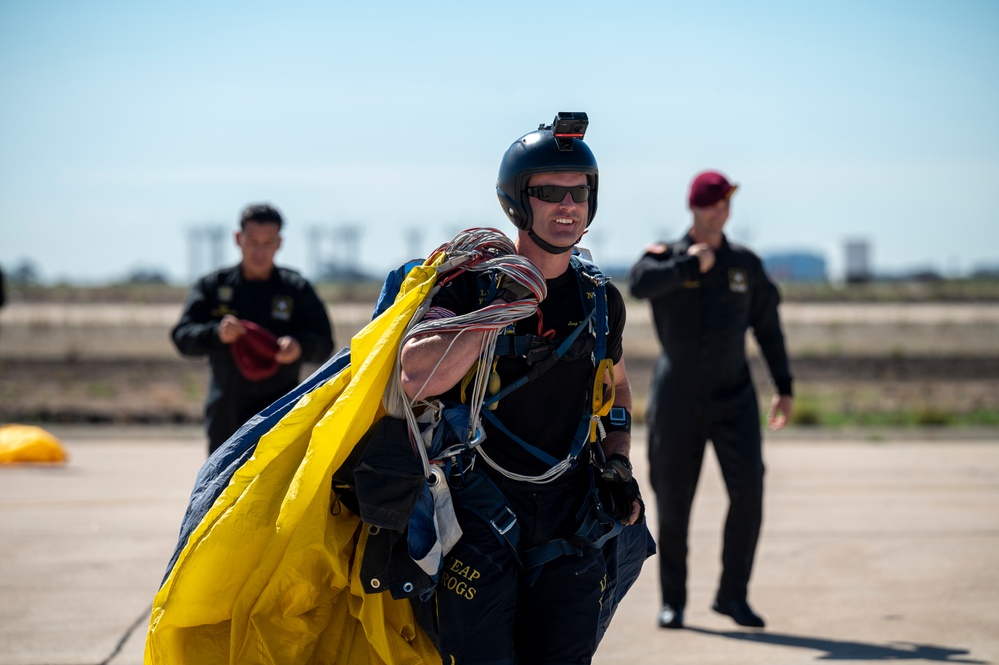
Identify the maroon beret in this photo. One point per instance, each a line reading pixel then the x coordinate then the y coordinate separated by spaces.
pixel 254 352
pixel 708 188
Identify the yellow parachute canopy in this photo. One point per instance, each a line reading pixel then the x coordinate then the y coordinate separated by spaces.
pixel 268 575
pixel 26 443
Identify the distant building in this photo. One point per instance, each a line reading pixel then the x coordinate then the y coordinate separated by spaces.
pixel 205 249
pixel 796 267
pixel 333 273
pixel 858 261
pixel 985 271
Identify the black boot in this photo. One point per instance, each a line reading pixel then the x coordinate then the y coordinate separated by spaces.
pixel 740 611
pixel 670 617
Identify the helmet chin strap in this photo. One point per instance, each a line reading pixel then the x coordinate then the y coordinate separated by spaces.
pixel 548 247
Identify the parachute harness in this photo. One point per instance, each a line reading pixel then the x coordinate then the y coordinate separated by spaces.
pixel 491 252
pixel 474 250
pixel 595 322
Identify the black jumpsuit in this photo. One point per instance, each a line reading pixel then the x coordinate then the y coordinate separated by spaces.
pixel 285 304
pixel 702 390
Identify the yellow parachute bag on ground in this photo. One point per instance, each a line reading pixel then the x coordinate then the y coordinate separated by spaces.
pixel 268 575
pixel 27 443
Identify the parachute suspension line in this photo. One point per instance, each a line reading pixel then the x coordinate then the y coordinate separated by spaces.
pixel 480 383
pixel 476 250
pixel 470 246
pixel 551 474
pixel 411 419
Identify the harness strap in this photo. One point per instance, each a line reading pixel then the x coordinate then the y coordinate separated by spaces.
pixel 603 366
pixel 595 529
pixel 542 366
pixel 519 345
pixel 534 348
pixel 553 549
pixel 603 317
pixel 485 499
pixel 577 440
pixel 593 293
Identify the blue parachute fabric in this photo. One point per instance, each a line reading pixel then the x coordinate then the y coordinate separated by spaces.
pixel 624 555
pixel 421 532
pixel 218 470
pixel 391 285
pixel 453 429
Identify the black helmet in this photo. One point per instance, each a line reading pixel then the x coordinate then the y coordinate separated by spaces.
pixel 546 150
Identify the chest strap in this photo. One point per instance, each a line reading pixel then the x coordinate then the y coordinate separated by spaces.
pixel 593 292
pixel 535 347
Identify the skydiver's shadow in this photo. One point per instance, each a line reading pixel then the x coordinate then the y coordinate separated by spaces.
pixel 844 650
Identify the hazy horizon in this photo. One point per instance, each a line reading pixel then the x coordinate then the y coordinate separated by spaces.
pixel 124 126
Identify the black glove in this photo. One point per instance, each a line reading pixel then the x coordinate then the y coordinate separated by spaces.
pixel 618 489
pixel 510 290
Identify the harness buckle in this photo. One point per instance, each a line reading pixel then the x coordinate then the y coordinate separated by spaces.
pixel 510 519
pixel 538 353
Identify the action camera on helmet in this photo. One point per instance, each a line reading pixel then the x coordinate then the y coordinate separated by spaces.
pixel 568 126
pixel 555 148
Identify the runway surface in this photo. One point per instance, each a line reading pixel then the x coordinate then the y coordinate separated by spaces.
pixel 872 551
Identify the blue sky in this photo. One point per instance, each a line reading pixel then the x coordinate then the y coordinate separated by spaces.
pixel 123 124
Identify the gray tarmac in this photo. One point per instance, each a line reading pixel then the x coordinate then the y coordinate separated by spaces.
pixel 873 550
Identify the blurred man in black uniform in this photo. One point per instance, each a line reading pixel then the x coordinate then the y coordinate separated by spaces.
pixel 232 313
pixel 705 293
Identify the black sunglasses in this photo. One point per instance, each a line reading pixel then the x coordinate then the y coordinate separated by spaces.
pixel 556 193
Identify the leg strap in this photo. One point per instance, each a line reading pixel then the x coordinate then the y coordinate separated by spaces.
pixel 481 496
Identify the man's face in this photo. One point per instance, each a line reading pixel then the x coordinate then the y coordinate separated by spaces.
pixel 710 220
pixel 560 223
pixel 258 242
